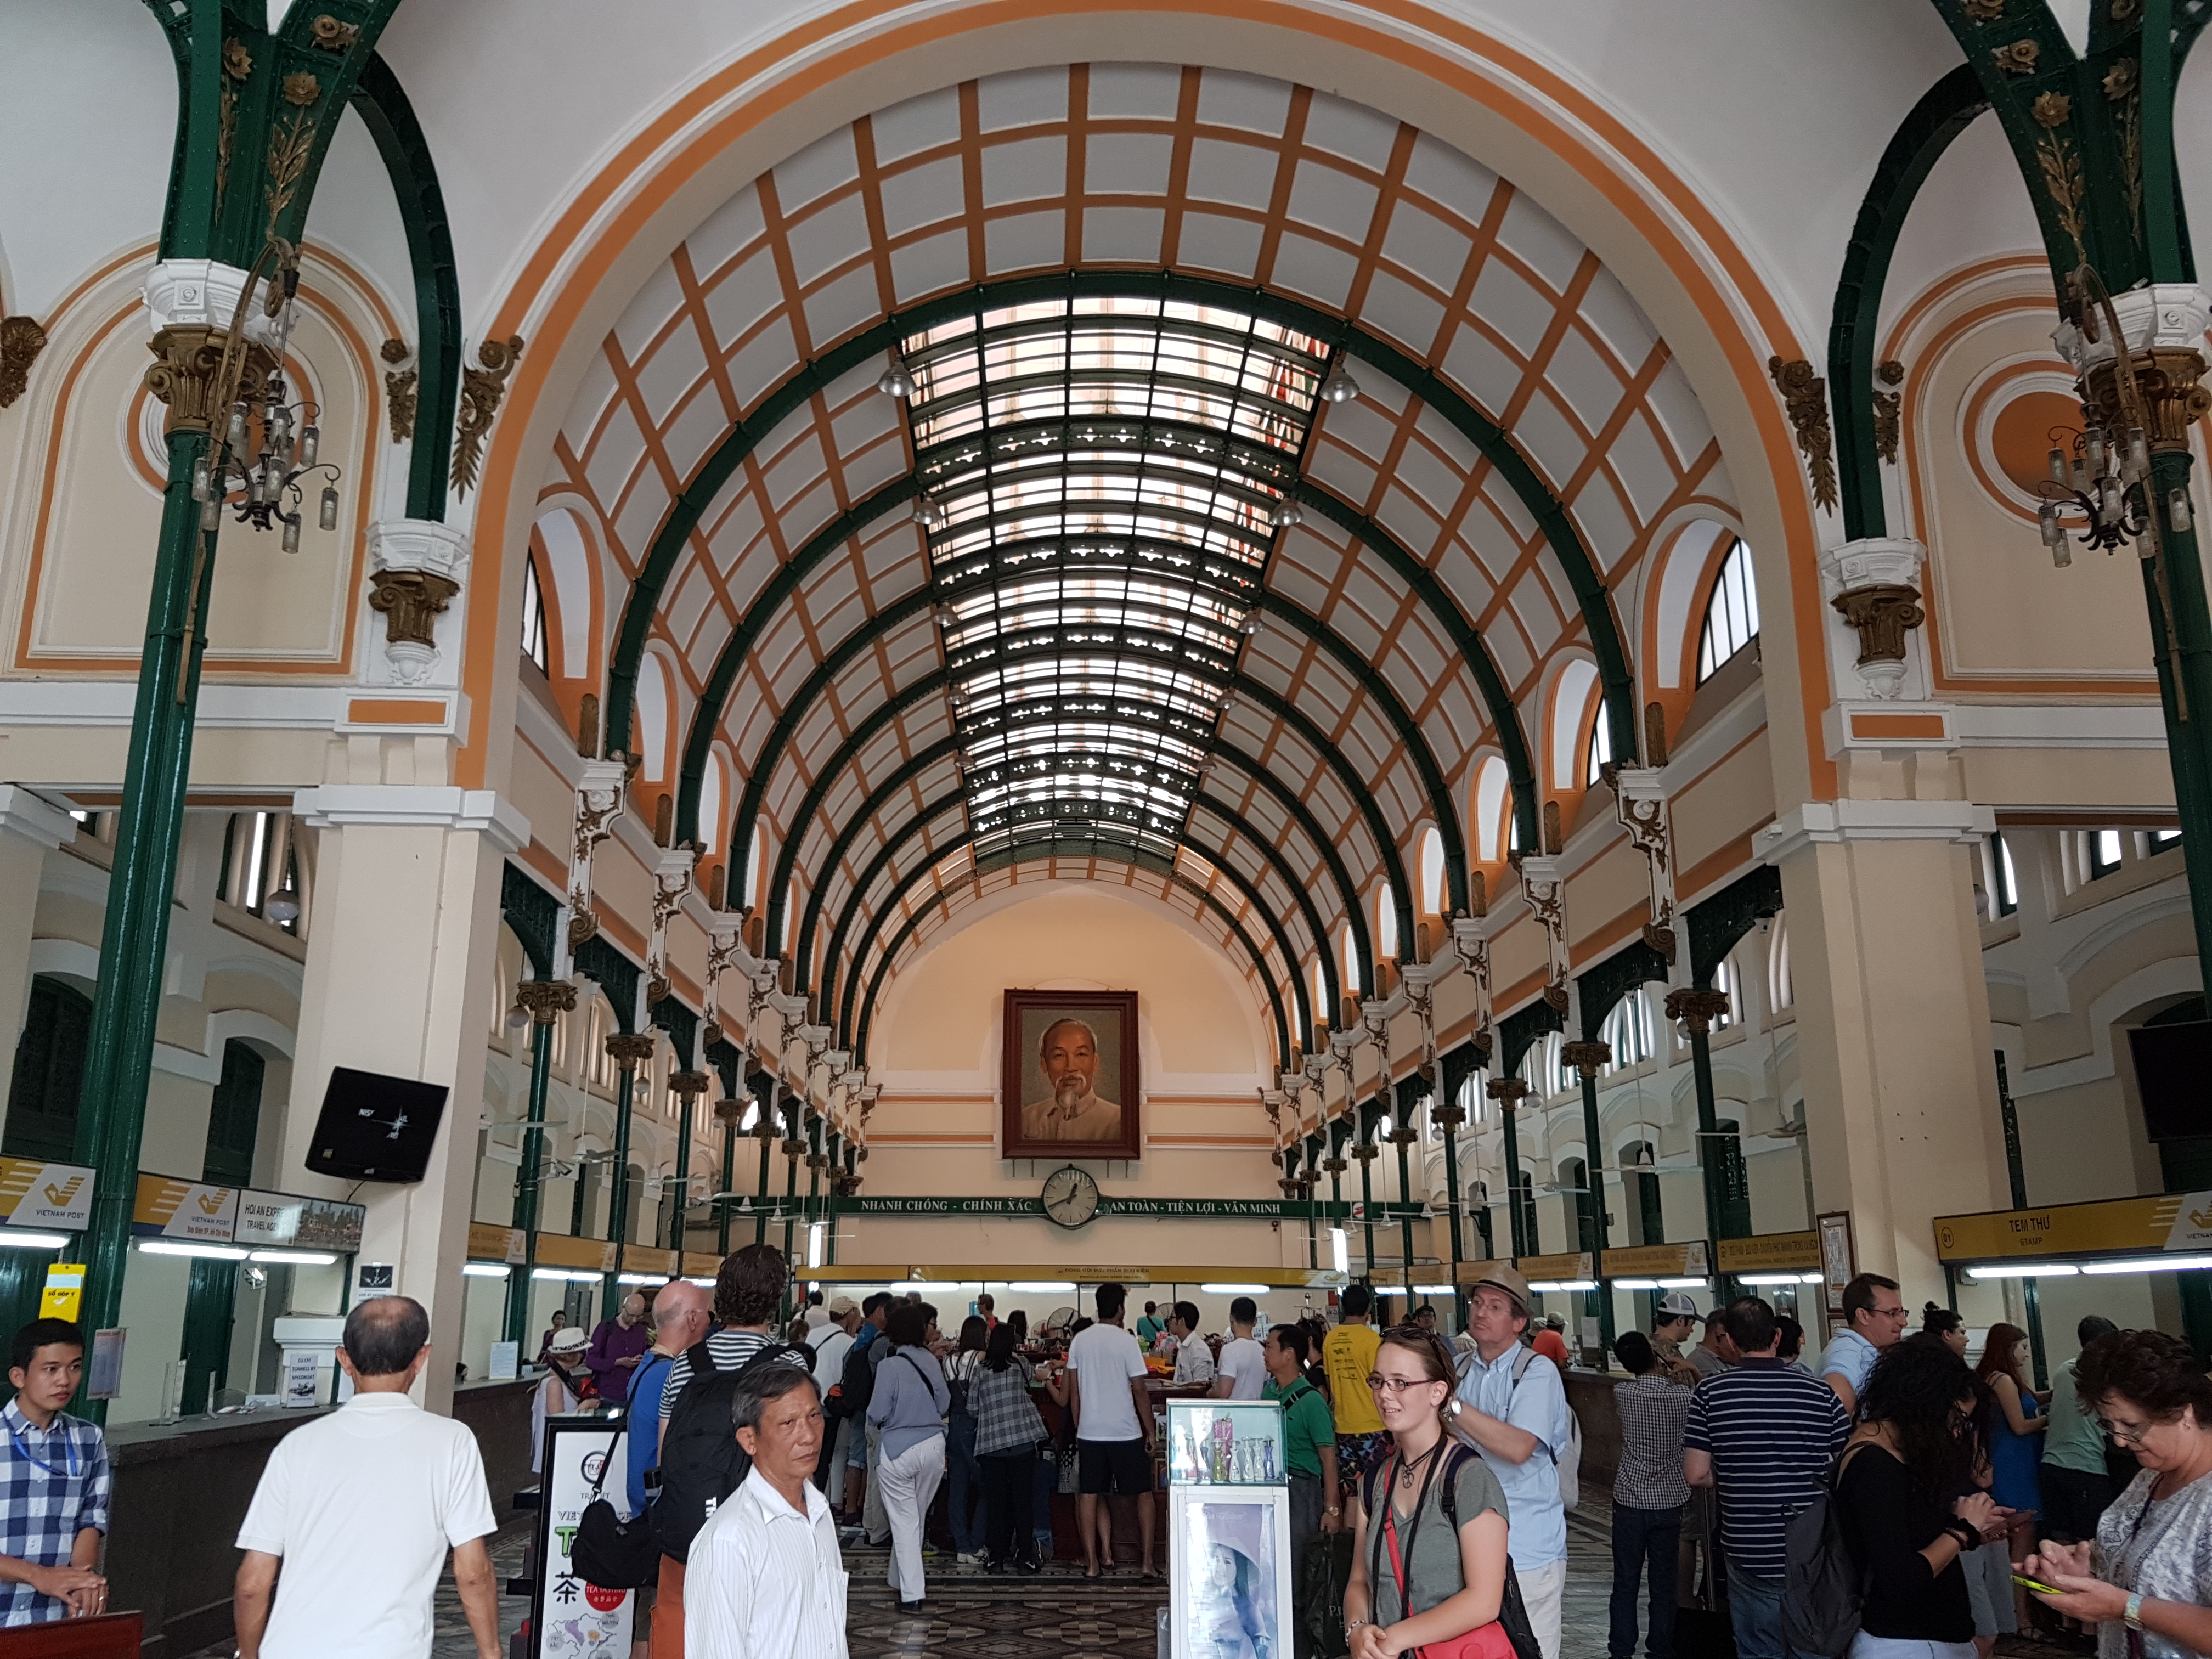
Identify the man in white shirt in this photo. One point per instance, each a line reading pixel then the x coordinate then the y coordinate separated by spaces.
pixel 765 1580
pixel 359 1509
pixel 831 1346
pixel 1243 1363
pixel 1194 1359
pixel 1114 1438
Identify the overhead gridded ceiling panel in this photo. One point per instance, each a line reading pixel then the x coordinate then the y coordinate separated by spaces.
pixel 1102 477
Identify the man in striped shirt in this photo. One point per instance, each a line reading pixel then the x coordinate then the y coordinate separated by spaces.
pixel 1765 1435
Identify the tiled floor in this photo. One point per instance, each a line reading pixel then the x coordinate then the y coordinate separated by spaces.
pixel 1058 1615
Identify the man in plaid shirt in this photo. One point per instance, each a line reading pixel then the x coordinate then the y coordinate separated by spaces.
pixel 54 1484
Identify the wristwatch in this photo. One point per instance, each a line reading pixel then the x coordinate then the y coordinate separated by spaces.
pixel 1334 1509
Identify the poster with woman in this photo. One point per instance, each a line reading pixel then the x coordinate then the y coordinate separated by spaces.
pixel 1229 1569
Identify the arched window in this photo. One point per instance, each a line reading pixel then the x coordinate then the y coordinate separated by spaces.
pixel 1781 992
pixel 1321 1010
pixel 1432 871
pixel 1351 966
pixel 1601 746
pixel 1731 614
pixel 1628 1030
pixel 1386 921
pixel 533 615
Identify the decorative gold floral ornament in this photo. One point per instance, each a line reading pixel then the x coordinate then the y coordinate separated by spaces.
pixel 328 34
pixel 301 90
pixel 288 159
pixel 237 64
pixel 237 61
pixel 2124 11
pixel 1985 11
pixel 2018 59
pixel 2051 109
pixel 1805 398
pixel 1886 408
pixel 481 392
pixel 2122 78
pixel 2059 161
pixel 21 340
pixel 2123 89
pixel 399 390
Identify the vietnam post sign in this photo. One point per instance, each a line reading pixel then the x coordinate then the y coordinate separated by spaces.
pixel 54 1196
pixel 184 1209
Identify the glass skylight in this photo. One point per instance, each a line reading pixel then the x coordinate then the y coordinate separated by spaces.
pixel 1105 475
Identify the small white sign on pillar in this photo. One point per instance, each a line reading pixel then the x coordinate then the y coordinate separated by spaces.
pixel 300 1379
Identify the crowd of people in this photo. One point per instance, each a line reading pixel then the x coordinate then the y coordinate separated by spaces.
pixel 1965 1502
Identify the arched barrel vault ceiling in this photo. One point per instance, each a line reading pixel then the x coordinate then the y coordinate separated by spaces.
pixel 1482 308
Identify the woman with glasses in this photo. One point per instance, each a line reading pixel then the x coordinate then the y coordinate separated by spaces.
pixel 2146 1580
pixel 1429 1526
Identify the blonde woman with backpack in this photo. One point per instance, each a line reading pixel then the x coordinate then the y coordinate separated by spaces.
pixel 1428 1570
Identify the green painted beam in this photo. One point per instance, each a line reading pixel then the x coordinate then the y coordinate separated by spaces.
pixel 382 105
pixel 1947 110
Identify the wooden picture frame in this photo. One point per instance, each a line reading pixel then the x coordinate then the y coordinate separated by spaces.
pixel 1839 1262
pixel 1034 1121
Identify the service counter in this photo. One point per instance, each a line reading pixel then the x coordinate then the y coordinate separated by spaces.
pixel 182 1489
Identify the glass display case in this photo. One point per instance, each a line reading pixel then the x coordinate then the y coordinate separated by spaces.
pixel 1226 1443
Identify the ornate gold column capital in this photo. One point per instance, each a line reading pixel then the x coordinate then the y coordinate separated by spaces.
pixel 1509 1089
pixel 1447 1117
pixel 2167 381
pixel 629 1049
pixel 545 999
pixel 730 1110
pixel 410 601
pixel 688 1085
pixel 1883 613
pixel 1586 1057
pixel 187 358
pixel 1697 1008
pixel 1366 1152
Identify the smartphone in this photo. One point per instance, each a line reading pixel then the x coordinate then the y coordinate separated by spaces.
pixel 2025 1583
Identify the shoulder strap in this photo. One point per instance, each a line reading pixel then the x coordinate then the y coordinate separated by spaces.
pixel 701 1359
pixel 1522 1361
pixel 1452 1465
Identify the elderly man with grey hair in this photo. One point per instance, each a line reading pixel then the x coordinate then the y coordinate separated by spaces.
pixel 765 1580
pixel 1067 1055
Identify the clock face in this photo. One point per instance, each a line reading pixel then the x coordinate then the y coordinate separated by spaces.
pixel 1070 1196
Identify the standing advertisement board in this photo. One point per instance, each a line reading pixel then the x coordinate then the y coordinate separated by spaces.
pixel 569 1617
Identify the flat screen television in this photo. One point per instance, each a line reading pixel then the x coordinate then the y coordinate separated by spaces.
pixel 2173 1077
pixel 374 1128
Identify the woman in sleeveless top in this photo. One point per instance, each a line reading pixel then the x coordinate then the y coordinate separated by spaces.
pixel 1418 1581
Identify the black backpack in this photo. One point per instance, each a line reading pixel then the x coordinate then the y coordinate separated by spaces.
pixel 856 1383
pixel 1824 1586
pixel 700 1461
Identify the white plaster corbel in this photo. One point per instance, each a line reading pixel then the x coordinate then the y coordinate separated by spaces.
pixel 598 805
pixel 672 880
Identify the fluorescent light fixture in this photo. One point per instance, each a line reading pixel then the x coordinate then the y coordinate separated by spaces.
pixel 2027 1270
pixel 1809 1279
pixel 1566 1285
pixel 1767 1279
pixel 1234 1290
pixel 1340 1249
pixel 486 1270
pixel 640 1279
pixel 704 1284
pixel 177 1247
pixel 2150 1264
pixel 1042 1286
pixel 563 1276
pixel 1434 1289
pixel 814 1244
pixel 12 1240
pixel 295 1258
pixel 1634 1284
pixel 1684 1284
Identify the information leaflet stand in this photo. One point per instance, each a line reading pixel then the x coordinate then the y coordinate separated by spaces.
pixel 569 1618
pixel 1229 1530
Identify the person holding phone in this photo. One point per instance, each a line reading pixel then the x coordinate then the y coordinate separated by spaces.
pixel 1911 1453
pixel 2146 1583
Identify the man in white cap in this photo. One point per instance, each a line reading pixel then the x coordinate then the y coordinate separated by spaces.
pixel 1674 1321
pixel 1512 1407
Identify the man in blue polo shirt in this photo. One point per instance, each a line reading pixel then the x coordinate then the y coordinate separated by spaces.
pixel 1765 1435
pixel 1874 1319
pixel 1511 1407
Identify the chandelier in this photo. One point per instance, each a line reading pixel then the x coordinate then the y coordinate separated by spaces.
pixel 2107 481
pixel 263 487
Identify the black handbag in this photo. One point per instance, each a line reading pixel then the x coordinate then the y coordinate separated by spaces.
pixel 1513 1615
pixel 1324 1569
pixel 609 1552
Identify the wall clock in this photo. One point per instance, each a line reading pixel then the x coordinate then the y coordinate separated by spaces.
pixel 1070 1196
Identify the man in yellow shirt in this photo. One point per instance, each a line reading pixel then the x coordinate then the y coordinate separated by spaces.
pixel 1348 1357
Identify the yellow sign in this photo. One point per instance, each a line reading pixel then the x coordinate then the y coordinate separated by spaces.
pixel 489 1242
pixel 2162 1221
pixel 591 1255
pixel 1764 1252
pixel 1657 1261
pixel 1001 1272
pixel 1551 1268
pixel 64 1292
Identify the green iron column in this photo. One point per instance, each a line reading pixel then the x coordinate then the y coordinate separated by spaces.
pixel 1508 1092
pixel 686 1086
pixel 1365 1151
pixel 1447 1118
pixel 766 1130
pixel 1696 1008
pixel 816 1161
pixel 1335 1165
pixel 793 1149
pixel 728 1111
pixel 628 1050
pixel 545 1000
pixel 1586 1058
